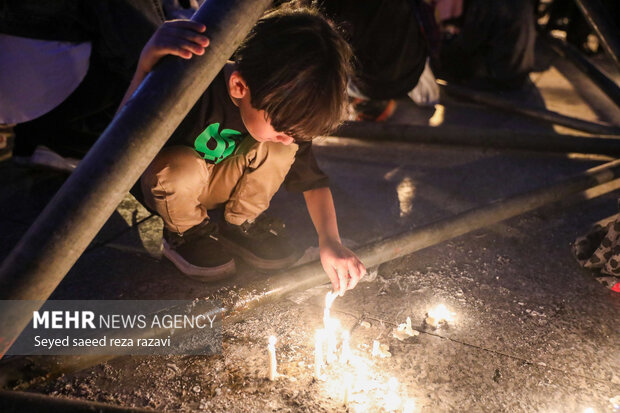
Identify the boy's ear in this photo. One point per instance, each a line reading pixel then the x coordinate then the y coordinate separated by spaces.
pixel 237 86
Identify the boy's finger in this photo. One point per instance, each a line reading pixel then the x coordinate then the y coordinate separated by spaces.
pixel 333 277
pixel 183 46
pixel 355 274
pixel 189 35
pixel 342 280
pixel 362 269
pixel 187 24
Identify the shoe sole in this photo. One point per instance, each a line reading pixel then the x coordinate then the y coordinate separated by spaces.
pixel 204 274
pixel 255 261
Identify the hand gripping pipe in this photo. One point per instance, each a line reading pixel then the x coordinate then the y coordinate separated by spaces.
pixel 237 303
pixel 82 205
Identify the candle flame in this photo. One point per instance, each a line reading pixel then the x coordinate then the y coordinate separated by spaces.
pixel 329 299
pixel 439 314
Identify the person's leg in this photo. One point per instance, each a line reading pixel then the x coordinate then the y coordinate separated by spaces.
pixel 246 182
pixel 172 186
pixel 248 179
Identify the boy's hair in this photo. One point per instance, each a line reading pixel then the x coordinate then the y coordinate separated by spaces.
pixel 296 66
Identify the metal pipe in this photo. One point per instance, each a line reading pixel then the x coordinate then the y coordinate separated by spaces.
pixel 598 19
pixel 17 402
pixel 87 199
pixel 605 84
pixel 312 274
pixel 479 137
pixel 598 128
pixel 236 303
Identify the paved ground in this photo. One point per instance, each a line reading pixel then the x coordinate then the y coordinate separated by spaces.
pixel 532 330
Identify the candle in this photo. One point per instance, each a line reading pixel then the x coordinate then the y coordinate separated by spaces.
pixel 375 348
pixel 392 399
pixel 348 379
pixel 409 406
pixel 273 364
pixel 319 340
pixel 329 300
pixel 345 354
pixel 439 315
pixel 332 340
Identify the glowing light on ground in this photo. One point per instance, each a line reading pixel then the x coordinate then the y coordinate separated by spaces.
pixel 439 315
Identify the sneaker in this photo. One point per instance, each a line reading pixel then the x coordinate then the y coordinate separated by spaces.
pixel 197 253
pixel 262 243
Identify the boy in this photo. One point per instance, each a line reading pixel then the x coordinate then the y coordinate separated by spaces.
pixel 248 133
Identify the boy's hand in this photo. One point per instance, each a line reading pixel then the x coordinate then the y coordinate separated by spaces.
pixel 177 37
pixel 341 265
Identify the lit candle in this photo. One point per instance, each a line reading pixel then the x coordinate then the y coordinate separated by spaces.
pixel 329 300
pixel 375 348
pixel 392 399
pixel 438 315
pixel 345 354
pixel 332 340
pixel 319 340
pixel 273 364
pixel 409 406
pixel 348 379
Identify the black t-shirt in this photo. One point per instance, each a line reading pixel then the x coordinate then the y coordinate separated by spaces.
pixel 215 106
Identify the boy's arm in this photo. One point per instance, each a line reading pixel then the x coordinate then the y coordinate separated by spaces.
pixel 181 38
pixel 341 265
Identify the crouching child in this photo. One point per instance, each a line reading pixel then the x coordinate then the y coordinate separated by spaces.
pixel 250 132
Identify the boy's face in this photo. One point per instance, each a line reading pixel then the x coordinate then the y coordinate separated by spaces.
pixel 255 121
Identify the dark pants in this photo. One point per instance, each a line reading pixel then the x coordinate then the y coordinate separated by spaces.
pixel 495 47
pixel 117 29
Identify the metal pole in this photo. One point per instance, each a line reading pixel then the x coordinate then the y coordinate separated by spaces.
pixel 598 19
pixel 236 303
pixel 312 274
pixel 87 199
pixel 17 402
pixel 478 137
pixel 607 85
pixel 507 105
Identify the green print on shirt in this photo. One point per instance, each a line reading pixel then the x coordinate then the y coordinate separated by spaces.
pixel 216 145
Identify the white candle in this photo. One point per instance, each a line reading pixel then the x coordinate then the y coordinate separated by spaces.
pixel 273 364
pixel 375 348
pixel 319 340
pixel 348 379
pixel 345 354
pixel 329 300
pixel 409 406
pixel 392 399
pixel 332 340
